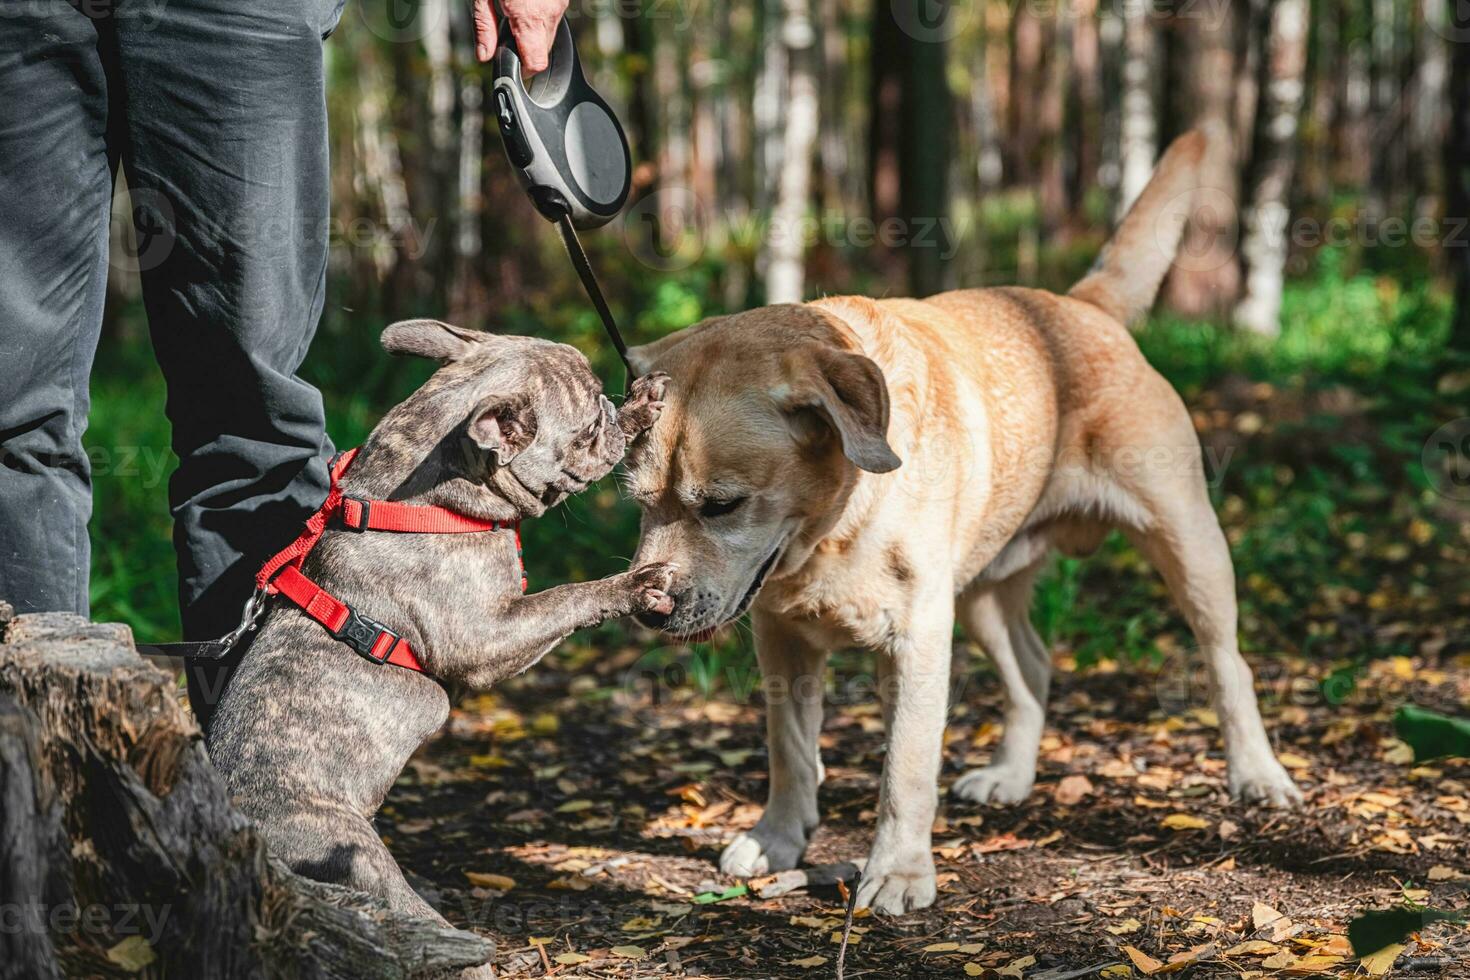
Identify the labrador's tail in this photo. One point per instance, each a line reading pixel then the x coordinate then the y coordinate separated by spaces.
pixel 1127 275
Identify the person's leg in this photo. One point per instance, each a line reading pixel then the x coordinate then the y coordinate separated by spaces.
pixel 226 144
pixel 55 189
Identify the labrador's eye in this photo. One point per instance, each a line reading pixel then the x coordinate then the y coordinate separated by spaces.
pixel 719 508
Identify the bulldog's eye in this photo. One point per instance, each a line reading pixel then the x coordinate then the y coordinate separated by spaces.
pixel 719 508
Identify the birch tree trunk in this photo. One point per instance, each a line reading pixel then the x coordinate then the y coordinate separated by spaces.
pixel 1139 140
pixel 1268 215
pixel 785 239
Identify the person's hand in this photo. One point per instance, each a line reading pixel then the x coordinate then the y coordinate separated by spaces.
pixel 532 23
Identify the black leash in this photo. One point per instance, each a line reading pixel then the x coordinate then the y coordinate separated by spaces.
pixel 594 291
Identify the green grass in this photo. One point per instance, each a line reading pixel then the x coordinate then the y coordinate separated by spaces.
pixel 1323 499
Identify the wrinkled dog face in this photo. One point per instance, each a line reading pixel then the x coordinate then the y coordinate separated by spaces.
pixel 536 426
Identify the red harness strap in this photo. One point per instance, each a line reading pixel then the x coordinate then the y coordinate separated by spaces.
pixel 283 575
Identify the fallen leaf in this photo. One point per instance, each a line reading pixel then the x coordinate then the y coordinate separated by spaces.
pixel 852 940
pixel 1016 967
pixel 1117 971
pixel 483 879
pixel 809 962
pixel 1072 790
pixel 1253 947
pixel 1441 872
pixel 1379 963
pixel 1125 928
pixel 132 954
pixel 941 947
pixel 574 806
pixel 973 969
pixel 630 952
pixel 1183 821
pixel 970 949
pixel 1280 960
pixel 1143 961
pixel 570 959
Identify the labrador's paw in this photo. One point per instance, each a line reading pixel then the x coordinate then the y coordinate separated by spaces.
pixel 1263 782
pixel 894 887
pixel 1000 783
pixel 763 849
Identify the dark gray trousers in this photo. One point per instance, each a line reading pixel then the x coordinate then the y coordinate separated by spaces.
pixel 216 111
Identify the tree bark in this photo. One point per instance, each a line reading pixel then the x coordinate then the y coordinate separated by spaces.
pixel 1457 180
pixel 785 239
pixel 119 847
pixel 1268 216
pixel 1206 276
pixel 1140 124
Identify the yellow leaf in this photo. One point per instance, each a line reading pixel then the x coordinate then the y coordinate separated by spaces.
pixel 809 962
pixel 630 952
pixel 1015 968
pixel 1263 915
pixel 1293 761
pixel 1253 947
pixel 132 954
pixel 1126 927
pixel 973 969
pixel 490 761
pixel 1441 872
pixel 1142 960
pixel 852 940
pixel 546 724
pixel 1117 971
pixel 574 806
pixel 484 879
pixel 941 947
pixel 970 949
pixel 1278 961
pixel 1379 963
pixel 1183 821
pixel 571 959
pixel 642 924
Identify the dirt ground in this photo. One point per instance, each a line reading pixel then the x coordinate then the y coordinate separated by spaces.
pixel 577 816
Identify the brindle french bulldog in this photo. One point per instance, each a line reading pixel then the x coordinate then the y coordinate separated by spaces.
pixel 309 735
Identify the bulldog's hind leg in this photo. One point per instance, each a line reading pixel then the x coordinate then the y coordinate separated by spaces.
pixel 998 617
pixel 1184 542
pixel 332 842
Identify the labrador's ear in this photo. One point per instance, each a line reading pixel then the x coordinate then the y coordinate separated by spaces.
pixel 847 394
pixel 503 426
pixel 644 356
pixel 431 338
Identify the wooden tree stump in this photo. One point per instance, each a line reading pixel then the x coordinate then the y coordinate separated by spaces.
pixel 120 853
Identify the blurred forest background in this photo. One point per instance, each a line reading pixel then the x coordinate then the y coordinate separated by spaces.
pixel 786 149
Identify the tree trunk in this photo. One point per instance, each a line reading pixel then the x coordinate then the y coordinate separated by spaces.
pixel 785 239
pixel 927 136
pixel 1140 124
pixel 1457 180
pixel 1206 276
pixel 1268 216
pixel 119 847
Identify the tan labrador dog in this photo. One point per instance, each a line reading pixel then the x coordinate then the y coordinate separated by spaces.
pixel 1025 422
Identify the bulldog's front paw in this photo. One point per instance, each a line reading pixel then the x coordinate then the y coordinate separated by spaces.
pixel 650 586
pixel 645 402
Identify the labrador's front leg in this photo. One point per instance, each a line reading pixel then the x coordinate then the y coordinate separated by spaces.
pixel 913 681
pixel 792 677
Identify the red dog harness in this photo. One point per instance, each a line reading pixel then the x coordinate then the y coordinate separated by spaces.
pixel 282 574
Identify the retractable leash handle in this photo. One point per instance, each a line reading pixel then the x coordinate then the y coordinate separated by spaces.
pixel 568 151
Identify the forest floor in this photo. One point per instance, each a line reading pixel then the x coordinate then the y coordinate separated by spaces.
pixel 578 824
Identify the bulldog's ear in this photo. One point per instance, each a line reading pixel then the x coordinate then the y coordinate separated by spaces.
pixel 503 426
pixel 431 338
pixel 847 393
